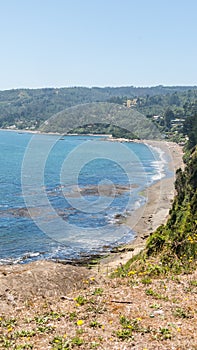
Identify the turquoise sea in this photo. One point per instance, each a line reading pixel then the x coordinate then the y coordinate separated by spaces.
pixel 60 197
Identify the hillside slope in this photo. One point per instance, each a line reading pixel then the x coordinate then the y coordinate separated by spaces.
pixel 173 246
pixel 105 113
pixel 176 242
pixel 31 107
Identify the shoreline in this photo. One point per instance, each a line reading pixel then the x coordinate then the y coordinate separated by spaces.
pixel 149 216
pixel 48 305
pixel 152 214
pixel 34 132
pixel 38 132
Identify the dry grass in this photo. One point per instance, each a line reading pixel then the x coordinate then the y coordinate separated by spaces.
pixel 122 313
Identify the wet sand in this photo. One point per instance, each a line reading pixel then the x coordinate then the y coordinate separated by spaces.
pixel 155 212
pixel 147 218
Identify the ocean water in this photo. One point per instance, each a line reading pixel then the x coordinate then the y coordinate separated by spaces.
pixel 62 197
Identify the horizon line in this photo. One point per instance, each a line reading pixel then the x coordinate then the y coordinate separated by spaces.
pixel 99 87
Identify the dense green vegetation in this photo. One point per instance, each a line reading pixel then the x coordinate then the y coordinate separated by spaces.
pixel 105 113
pixel 173 247
pixel 29 108
pixel 167 112
pixel 107 129
pixel 190 129
pixel 176 242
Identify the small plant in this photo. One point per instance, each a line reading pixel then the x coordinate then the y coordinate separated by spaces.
pixel 77 341
pixel 94 345
pixel 121 271
pixel 73 316
pixel 95 324
pixel 10 322
pixel 124 334
pixel 48 317
pixel 165 333
pixel 193 283
pixel 55 315
pixel 149 291
pixel 146 280
pixel 24 333
pixel 80 300
pixel 133 325
pixel 155 306
pixel 41 319
pixel 125 322
pixel 156 295
pixel 59 343
pixel 5 343
pixel 182 313
pixel 98 291
pixel 45 329
pixel 136 325
pixel 23 346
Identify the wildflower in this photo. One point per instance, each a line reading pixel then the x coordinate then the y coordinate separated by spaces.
pixel 9 329
pixel 131 273
pixel 142 273
pixel 80 322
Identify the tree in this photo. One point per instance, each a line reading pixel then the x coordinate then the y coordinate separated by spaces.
pixel 168 116
pixel 190 129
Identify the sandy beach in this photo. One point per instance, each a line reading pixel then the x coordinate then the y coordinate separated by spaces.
pixel 154 213
pixel 46 305
pixel 148 217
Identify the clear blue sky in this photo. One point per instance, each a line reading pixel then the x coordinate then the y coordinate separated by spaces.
pixel 60 43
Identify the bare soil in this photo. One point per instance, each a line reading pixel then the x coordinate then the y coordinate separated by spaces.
pixel 45 305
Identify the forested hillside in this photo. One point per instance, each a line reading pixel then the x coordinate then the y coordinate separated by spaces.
pixel 90 115
pixel 29 108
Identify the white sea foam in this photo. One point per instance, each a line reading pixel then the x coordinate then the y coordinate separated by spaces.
pixel 159 164
pixel 79 240
pixel 139 202
pixel 29 256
